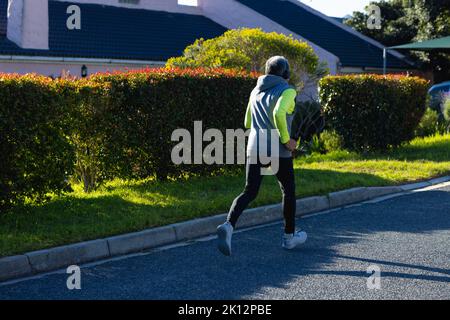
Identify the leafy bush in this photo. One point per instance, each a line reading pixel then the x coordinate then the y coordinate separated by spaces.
pixel 373 112
pixel 133 123
pixel 308 120
pixel 307 125
pixel 35 153
pixel 429 124
pixel 93 133
pixel 444 119
pixel 446 107
pixel 331 141
pixel 249 49
pixel 109 125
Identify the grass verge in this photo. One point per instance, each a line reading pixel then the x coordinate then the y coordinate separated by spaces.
pixel 126 206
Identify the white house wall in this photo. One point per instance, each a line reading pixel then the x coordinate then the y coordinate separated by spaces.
pixel 55 68
pixel 28 23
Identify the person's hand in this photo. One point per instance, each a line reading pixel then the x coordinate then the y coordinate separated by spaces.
pixel 291 145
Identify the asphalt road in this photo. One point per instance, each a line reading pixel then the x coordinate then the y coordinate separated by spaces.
pixel 407 238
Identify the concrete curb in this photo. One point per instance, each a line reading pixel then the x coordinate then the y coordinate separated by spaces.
pixel 349 196
pixel 412 186
pixel 14 267
pixel 312 204
pixel 138 241
pixel 55 258
pixel 83 252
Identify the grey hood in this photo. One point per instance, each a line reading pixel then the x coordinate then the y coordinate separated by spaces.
pixel 268 82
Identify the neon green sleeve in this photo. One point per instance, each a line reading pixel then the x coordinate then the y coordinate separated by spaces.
pixel 285 105
pixel 248 117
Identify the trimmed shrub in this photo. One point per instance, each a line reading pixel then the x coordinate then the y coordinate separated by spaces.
pixel 373 112
pixel 130 128
pixel 36 156
pixel 109 125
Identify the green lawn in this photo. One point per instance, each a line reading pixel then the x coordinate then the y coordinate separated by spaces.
pixel 122 206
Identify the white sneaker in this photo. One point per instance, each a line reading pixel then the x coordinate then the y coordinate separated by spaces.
pixel 290 241
pixel 224 233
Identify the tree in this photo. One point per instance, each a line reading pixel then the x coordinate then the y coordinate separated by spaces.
pixel 248 49
pixel 405 21
pixel 396 27
pixel 433 19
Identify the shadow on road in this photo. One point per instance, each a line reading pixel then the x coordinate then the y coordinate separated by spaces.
pixel 391 234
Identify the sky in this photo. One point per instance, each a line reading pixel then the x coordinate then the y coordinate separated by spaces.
pixel 337 8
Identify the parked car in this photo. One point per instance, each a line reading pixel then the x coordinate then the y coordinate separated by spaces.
pixel 438 94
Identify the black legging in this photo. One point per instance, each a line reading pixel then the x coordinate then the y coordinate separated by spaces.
pixel 286 180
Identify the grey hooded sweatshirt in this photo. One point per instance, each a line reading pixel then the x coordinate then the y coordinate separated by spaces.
pixel 263 100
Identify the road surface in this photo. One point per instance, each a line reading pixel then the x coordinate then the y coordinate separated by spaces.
pixel 407 238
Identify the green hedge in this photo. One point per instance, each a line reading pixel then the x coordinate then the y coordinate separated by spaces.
pixel 109 125
pixel 130 117
pixel 373 112
pixel 120 124
pixel 36 156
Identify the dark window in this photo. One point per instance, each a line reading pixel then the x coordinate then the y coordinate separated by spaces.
pixel 3 16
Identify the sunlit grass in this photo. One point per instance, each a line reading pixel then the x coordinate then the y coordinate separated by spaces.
pixel 124 206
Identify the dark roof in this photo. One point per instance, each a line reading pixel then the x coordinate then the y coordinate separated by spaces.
pixel 119 33
pixel 352 50
pixel 3 16
pixel 337 19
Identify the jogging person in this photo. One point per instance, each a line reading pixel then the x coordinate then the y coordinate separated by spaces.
pixel 271 107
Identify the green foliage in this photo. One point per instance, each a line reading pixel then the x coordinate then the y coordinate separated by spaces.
pixel 92 133
pixel 444 119
pixel 249 49
pixel 429 124
pixel 446 108
pixel 35 153
pixel 331 141
pixel 373 112
pixel 132 124
pixel 405 21
pixel 432 18
pixel 396 26
pixel 108 126
pixel 307 125
pixel 308 120
pixel 120 206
